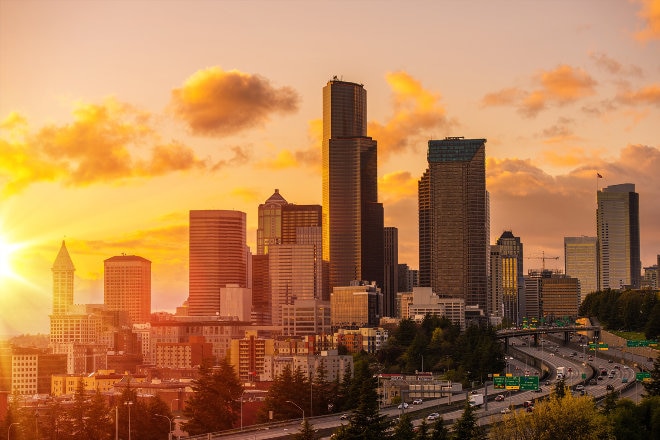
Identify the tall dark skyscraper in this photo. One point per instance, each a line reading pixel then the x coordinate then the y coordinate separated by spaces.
pixel 617 224
pixel 391 270
pixel 352 217
pixel 453 221
pixel 511 258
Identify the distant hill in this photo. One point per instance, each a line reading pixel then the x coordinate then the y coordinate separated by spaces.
pixel 38 340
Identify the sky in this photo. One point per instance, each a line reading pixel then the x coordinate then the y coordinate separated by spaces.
pixel 119 117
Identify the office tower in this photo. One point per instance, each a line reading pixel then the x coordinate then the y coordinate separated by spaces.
pixel 261 300
pixel 218 257
pixel 293 271
pixel 391 279
pixel 550 294
pixel 511 254
pixel 63 270
pixel 352 216
pixel 354 306
pixel 453 211
pixel 127 286
pixel 617 224
pixel 269 230
pixel 581 262
pixel 298 216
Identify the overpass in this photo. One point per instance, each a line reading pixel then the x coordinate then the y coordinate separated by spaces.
pixel 591 330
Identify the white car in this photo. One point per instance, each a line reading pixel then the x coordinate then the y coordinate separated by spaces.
pixel 403 405
pixel 433 416
pixel 505 410
pixel 417 402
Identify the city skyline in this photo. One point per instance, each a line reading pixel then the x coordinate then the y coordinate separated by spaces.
pixel 117 119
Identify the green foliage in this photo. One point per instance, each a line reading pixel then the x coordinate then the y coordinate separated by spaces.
pixel 439 431
pixel 630 310
pixel 306 432
pixel 215 404
pixel 652 328
pixel 404 430
pixel 466 427
pixel 560 389
pixel 652 387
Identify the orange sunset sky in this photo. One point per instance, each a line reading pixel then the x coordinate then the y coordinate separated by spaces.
pixel 118 117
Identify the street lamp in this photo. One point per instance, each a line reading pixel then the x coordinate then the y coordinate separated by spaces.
pixel 9 429
pixel 128 404
pixel 242 394
pixel 296 405
pixel 169 433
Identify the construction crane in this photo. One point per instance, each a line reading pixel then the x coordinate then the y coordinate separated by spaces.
pixel 543 258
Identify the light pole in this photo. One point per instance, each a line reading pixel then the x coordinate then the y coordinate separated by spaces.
pixel 9 429
pixel 169 433
pixel 243 393
pixel 128 404
pixel 296 405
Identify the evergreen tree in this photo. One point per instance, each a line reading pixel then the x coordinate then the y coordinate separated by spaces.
pixel 404 430
pixel 423 433
pixel 652 387
pixel 560 389
pixel 439 431
pixel 215 403
pixel 306 432
pixel 609 403
pixel 466 427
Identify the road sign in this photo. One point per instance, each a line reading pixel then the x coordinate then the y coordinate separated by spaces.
pixel 643 376
pixel 600 346
pixel 641 343
pixel 499 382
pixel 584 376
pixel 529 382
pixel 512 382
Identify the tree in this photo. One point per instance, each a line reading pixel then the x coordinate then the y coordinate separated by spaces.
pixel 439 431
pixel 652 387
pixel 404 429
pixel 466 427
pixel 215 403
pixel 609 403
pixel 625 421
pixel 366 422
pixel 423 431
pixel 306 432
pixel 560 389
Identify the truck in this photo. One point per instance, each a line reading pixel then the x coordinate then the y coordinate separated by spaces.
pixel 561 372
pixel 476 400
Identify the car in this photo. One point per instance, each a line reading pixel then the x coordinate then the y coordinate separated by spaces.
pixel 474 392
pixel 433 416
pixel 617 367
pixel 403 405
pixel 624 380
pixel 395 421
pixel 530 408
pixel 609 387
pixel 499 398
pixel 417 402
pixel 538 390
pixel 506 410
pixel 610 361
pixel 547 383
pixel 593 382
pixel 343 417
pixel 579 387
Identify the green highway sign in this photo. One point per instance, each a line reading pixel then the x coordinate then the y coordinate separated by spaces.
pixel 643 376
pixel 600 346
pixel 641 343
pixel 529 382
pixel 512 382
pixel 499 382
pixel 584 376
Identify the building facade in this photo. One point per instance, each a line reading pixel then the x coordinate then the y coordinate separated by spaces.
pixel 127 286
pixel 63 270
pixel 581 262
pixel 391 270
pixel 352 216
pixel 218 256
pixel 619 264
pixel 354 306
pixel 269 229
pixel 453 221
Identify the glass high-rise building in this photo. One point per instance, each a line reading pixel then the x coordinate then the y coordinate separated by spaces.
pixel 127 286
pixel 269 229
pixel 617 224
pixel 453 221
pixel 352 217
pixel 391 271
pixel 63 270
pixel 511 253
pixel 581 262
pixel 218 256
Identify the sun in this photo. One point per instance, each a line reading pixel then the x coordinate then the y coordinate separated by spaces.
pixel 6 251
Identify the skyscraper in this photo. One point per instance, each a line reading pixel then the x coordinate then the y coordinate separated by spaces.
pixel 511 254
pixel 63 270
pixel 127 286
pixel 453 221
pixel 391 268
pixel 581 262
pixel 617 224
pixel 352 216
pixel 269 230
pixel 218 256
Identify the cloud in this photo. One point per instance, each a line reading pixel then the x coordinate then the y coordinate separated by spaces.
pixel 397 185
pixel 569 156
pixel 650 16
pixel 107 142
pixel 249 195
pixel 214 102
pixel 649 95
pixel 614 67
pixel 417 112
pixel 563 85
